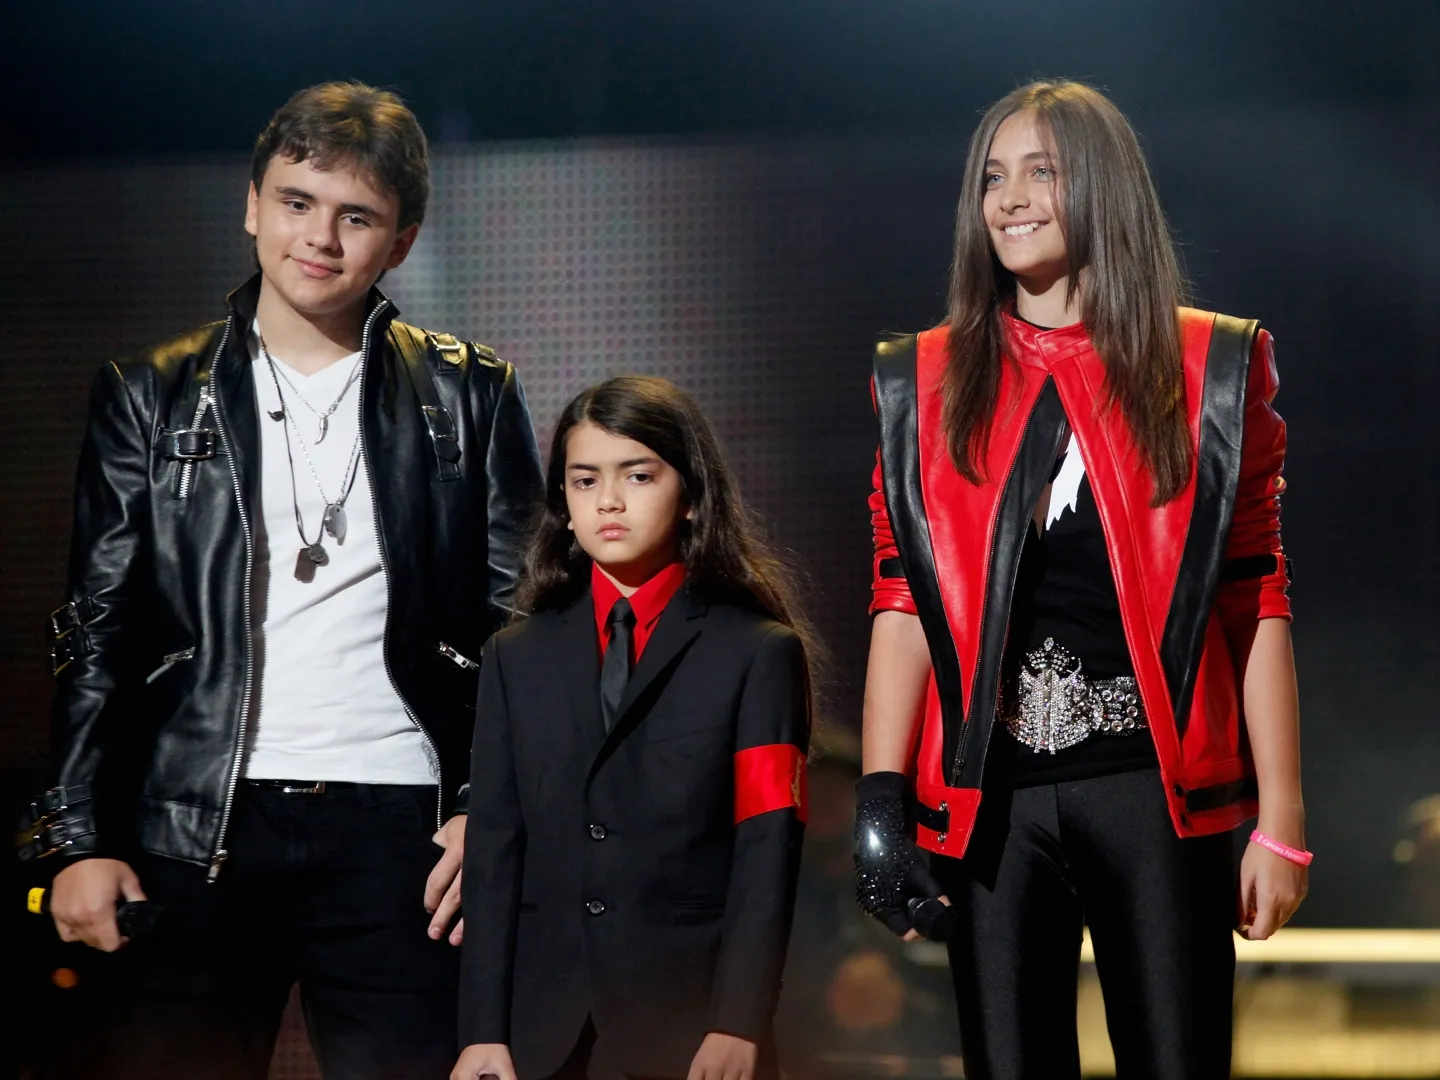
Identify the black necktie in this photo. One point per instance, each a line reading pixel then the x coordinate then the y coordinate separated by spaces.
pixel 615 668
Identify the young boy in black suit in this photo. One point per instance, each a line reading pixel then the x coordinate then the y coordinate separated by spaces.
pixel 638 773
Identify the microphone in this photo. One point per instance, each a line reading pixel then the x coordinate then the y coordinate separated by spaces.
pixel 933 920
pixel 134 918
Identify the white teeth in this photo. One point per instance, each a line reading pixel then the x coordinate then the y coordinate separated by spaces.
pixel 1022 230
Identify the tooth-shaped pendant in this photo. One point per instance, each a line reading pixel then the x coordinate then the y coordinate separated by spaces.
pixel 324 427
pixel 335 521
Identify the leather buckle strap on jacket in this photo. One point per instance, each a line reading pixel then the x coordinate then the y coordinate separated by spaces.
pixel 189 444
pixel 67 627
pixel 73 616
pixel 434 360
pixel 57 820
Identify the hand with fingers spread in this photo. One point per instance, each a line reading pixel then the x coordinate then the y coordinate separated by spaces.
pixel 442 887
pixel 484 1060
pixel 724 1057
pixel 83 898
pixel 1271 888
pixel 892 881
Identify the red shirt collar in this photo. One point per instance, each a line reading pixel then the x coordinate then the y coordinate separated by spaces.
pixel 648 601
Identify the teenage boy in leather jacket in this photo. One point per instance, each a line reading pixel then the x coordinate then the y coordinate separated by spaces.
pixel 294 529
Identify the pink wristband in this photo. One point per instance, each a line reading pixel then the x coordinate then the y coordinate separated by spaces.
pixel 1301 858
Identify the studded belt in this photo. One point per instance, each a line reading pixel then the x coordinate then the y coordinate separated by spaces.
pixel 1053 705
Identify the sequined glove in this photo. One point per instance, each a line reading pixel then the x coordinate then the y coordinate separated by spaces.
pixel 892 881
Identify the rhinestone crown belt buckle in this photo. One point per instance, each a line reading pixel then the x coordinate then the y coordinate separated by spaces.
pixel 1056 706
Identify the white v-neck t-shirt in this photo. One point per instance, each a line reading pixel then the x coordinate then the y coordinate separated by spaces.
pixel 323 707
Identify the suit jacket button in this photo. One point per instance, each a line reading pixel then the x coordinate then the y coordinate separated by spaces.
pixel 596 907
pixel 597 832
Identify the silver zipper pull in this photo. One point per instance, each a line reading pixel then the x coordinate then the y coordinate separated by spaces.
pixel 168 661
pixel 459 659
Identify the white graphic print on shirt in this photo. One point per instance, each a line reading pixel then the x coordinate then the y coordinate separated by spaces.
pixel 1065 491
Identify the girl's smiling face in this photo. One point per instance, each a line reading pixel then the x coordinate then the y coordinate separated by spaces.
pixel 625 504
pixel 1019 203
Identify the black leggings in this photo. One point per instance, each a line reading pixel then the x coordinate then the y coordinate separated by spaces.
pixel 1045 861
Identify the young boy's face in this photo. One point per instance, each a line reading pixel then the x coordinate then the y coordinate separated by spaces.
pixel 625 504
pixel 323 238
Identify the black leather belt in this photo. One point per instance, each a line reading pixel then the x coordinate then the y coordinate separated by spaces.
pixel 300 787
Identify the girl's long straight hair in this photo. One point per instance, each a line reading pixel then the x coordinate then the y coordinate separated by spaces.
pixel 1122 265
pixel 726 557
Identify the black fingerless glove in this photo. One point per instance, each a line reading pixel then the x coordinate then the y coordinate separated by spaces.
pixel 892 881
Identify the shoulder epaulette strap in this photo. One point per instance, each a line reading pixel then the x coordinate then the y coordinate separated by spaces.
pixel 433 360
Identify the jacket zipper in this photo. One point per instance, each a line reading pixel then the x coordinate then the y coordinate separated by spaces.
pixel 1014 572
pixel 385 572
pixel 219 855
pixel 187 470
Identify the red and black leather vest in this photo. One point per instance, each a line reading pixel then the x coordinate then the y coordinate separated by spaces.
pixel 1193 576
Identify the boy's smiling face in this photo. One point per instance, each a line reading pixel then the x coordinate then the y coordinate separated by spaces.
pixel 323 237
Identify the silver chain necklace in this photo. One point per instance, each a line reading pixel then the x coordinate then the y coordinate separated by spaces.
pixel 313 553
pixel 322 417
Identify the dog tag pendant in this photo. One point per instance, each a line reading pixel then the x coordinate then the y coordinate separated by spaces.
pixel 335 521
pixel 309 558
pixel 324 427
pixel 304 568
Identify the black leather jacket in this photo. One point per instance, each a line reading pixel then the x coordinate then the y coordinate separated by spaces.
pixel 154 653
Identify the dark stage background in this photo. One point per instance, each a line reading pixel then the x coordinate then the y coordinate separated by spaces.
pixel 743 199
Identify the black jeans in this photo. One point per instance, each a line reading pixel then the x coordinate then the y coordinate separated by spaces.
pixel 1044 862
pixel 326 889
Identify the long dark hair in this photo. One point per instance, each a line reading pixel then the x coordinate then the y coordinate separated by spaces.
pixel 726 557
pixel 1122 265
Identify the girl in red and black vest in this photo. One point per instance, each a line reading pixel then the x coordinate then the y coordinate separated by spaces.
pixel 1080 674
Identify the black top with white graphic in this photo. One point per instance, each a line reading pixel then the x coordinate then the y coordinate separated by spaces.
pixel 1064 590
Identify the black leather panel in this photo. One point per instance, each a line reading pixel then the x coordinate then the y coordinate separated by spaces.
pixel 1199 800
pixel 1255 566
pixel 1028 476
pixel 1222 434
pixel 898 413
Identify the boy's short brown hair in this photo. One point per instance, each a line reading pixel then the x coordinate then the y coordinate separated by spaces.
pixel 349 124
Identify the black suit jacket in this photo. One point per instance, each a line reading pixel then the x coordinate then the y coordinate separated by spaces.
pixel 605 875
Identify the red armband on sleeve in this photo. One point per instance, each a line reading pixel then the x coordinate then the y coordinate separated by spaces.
pixel 771 778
